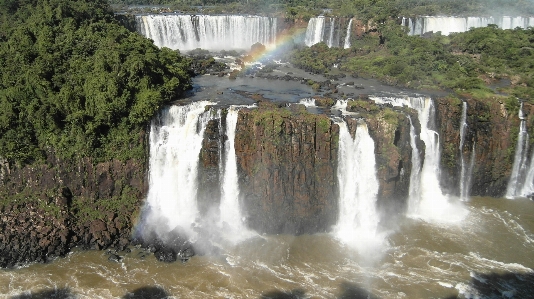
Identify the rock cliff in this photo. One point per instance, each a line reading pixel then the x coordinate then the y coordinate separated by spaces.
pixel 287 165
pixel 48 208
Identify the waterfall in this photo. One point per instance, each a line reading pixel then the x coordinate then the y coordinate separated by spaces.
pixel 358 188
pixel 432 205
pixel 322 30
pixel 231 219
pixel 464 188
pixel 175 143
pixel 314 31
pixel 347 36
pixel 447 25
pixel 520 183
pixel 414 194
pixel 331 35
pixel 426 199
pixel 188 32
pixel 308 102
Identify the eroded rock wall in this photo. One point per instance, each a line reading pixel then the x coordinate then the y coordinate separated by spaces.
pixel 492 129
pixel 287 165
pixel 47 209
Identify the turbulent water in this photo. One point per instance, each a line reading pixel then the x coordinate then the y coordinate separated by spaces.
pixel 488 255
pixel 447 25
pixel 188 32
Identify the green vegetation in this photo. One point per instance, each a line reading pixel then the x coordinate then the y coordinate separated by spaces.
pixel 75 83
pixel 466 63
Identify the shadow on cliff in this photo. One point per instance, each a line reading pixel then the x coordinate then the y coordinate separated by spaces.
pixel 503 285
pixel 48 294
pixel 147 293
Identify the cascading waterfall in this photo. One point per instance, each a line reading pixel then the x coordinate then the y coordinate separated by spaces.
pixel 327 30
pixel 432 205
pixel 415 177
pixel 188 32
pixel 520 183
pixel 447 25
pixel 346 45
pixel 358 188
pixel 426 199
pixel 175 143
pixel 331 35
pixel 314 31
pixel 464 171
pixel 231 218
pixel 308 102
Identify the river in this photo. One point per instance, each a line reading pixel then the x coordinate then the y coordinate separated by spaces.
pixel 487 255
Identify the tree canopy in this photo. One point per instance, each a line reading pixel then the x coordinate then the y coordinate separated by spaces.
pixel 75 83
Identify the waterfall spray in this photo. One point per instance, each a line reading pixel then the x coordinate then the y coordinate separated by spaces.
pixel 175 143
pixel 358 188
pixel 231 219
pixel 427 200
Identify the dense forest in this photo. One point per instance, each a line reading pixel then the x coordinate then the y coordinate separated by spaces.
pixel 73 82
pixel 363 9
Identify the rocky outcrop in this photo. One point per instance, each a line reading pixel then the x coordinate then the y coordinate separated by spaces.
pixel 208 172
pixel 287 165
pixel 51 207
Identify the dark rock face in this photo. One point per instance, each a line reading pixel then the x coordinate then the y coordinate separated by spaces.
pixel 46 210
pixel 287 167
pixel 492 130
pixel 208 172
pixel 168 249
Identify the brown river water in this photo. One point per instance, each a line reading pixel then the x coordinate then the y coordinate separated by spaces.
pixel 489 254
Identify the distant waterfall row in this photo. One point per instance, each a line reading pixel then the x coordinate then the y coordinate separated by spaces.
pixel 331 31
pixel 447 25
pixel 236 32
pixel 188 32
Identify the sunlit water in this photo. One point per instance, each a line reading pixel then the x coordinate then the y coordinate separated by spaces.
pixel 490 253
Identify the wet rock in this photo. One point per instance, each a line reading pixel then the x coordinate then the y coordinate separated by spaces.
pixel 114 258
pixel 167 255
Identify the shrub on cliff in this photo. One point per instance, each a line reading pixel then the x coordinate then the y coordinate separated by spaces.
pixel 76 83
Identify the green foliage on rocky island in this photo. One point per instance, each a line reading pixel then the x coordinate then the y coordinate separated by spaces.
pixel 75 83
pixel 469 63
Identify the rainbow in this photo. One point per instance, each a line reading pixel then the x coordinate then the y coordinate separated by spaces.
pixel 283 41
